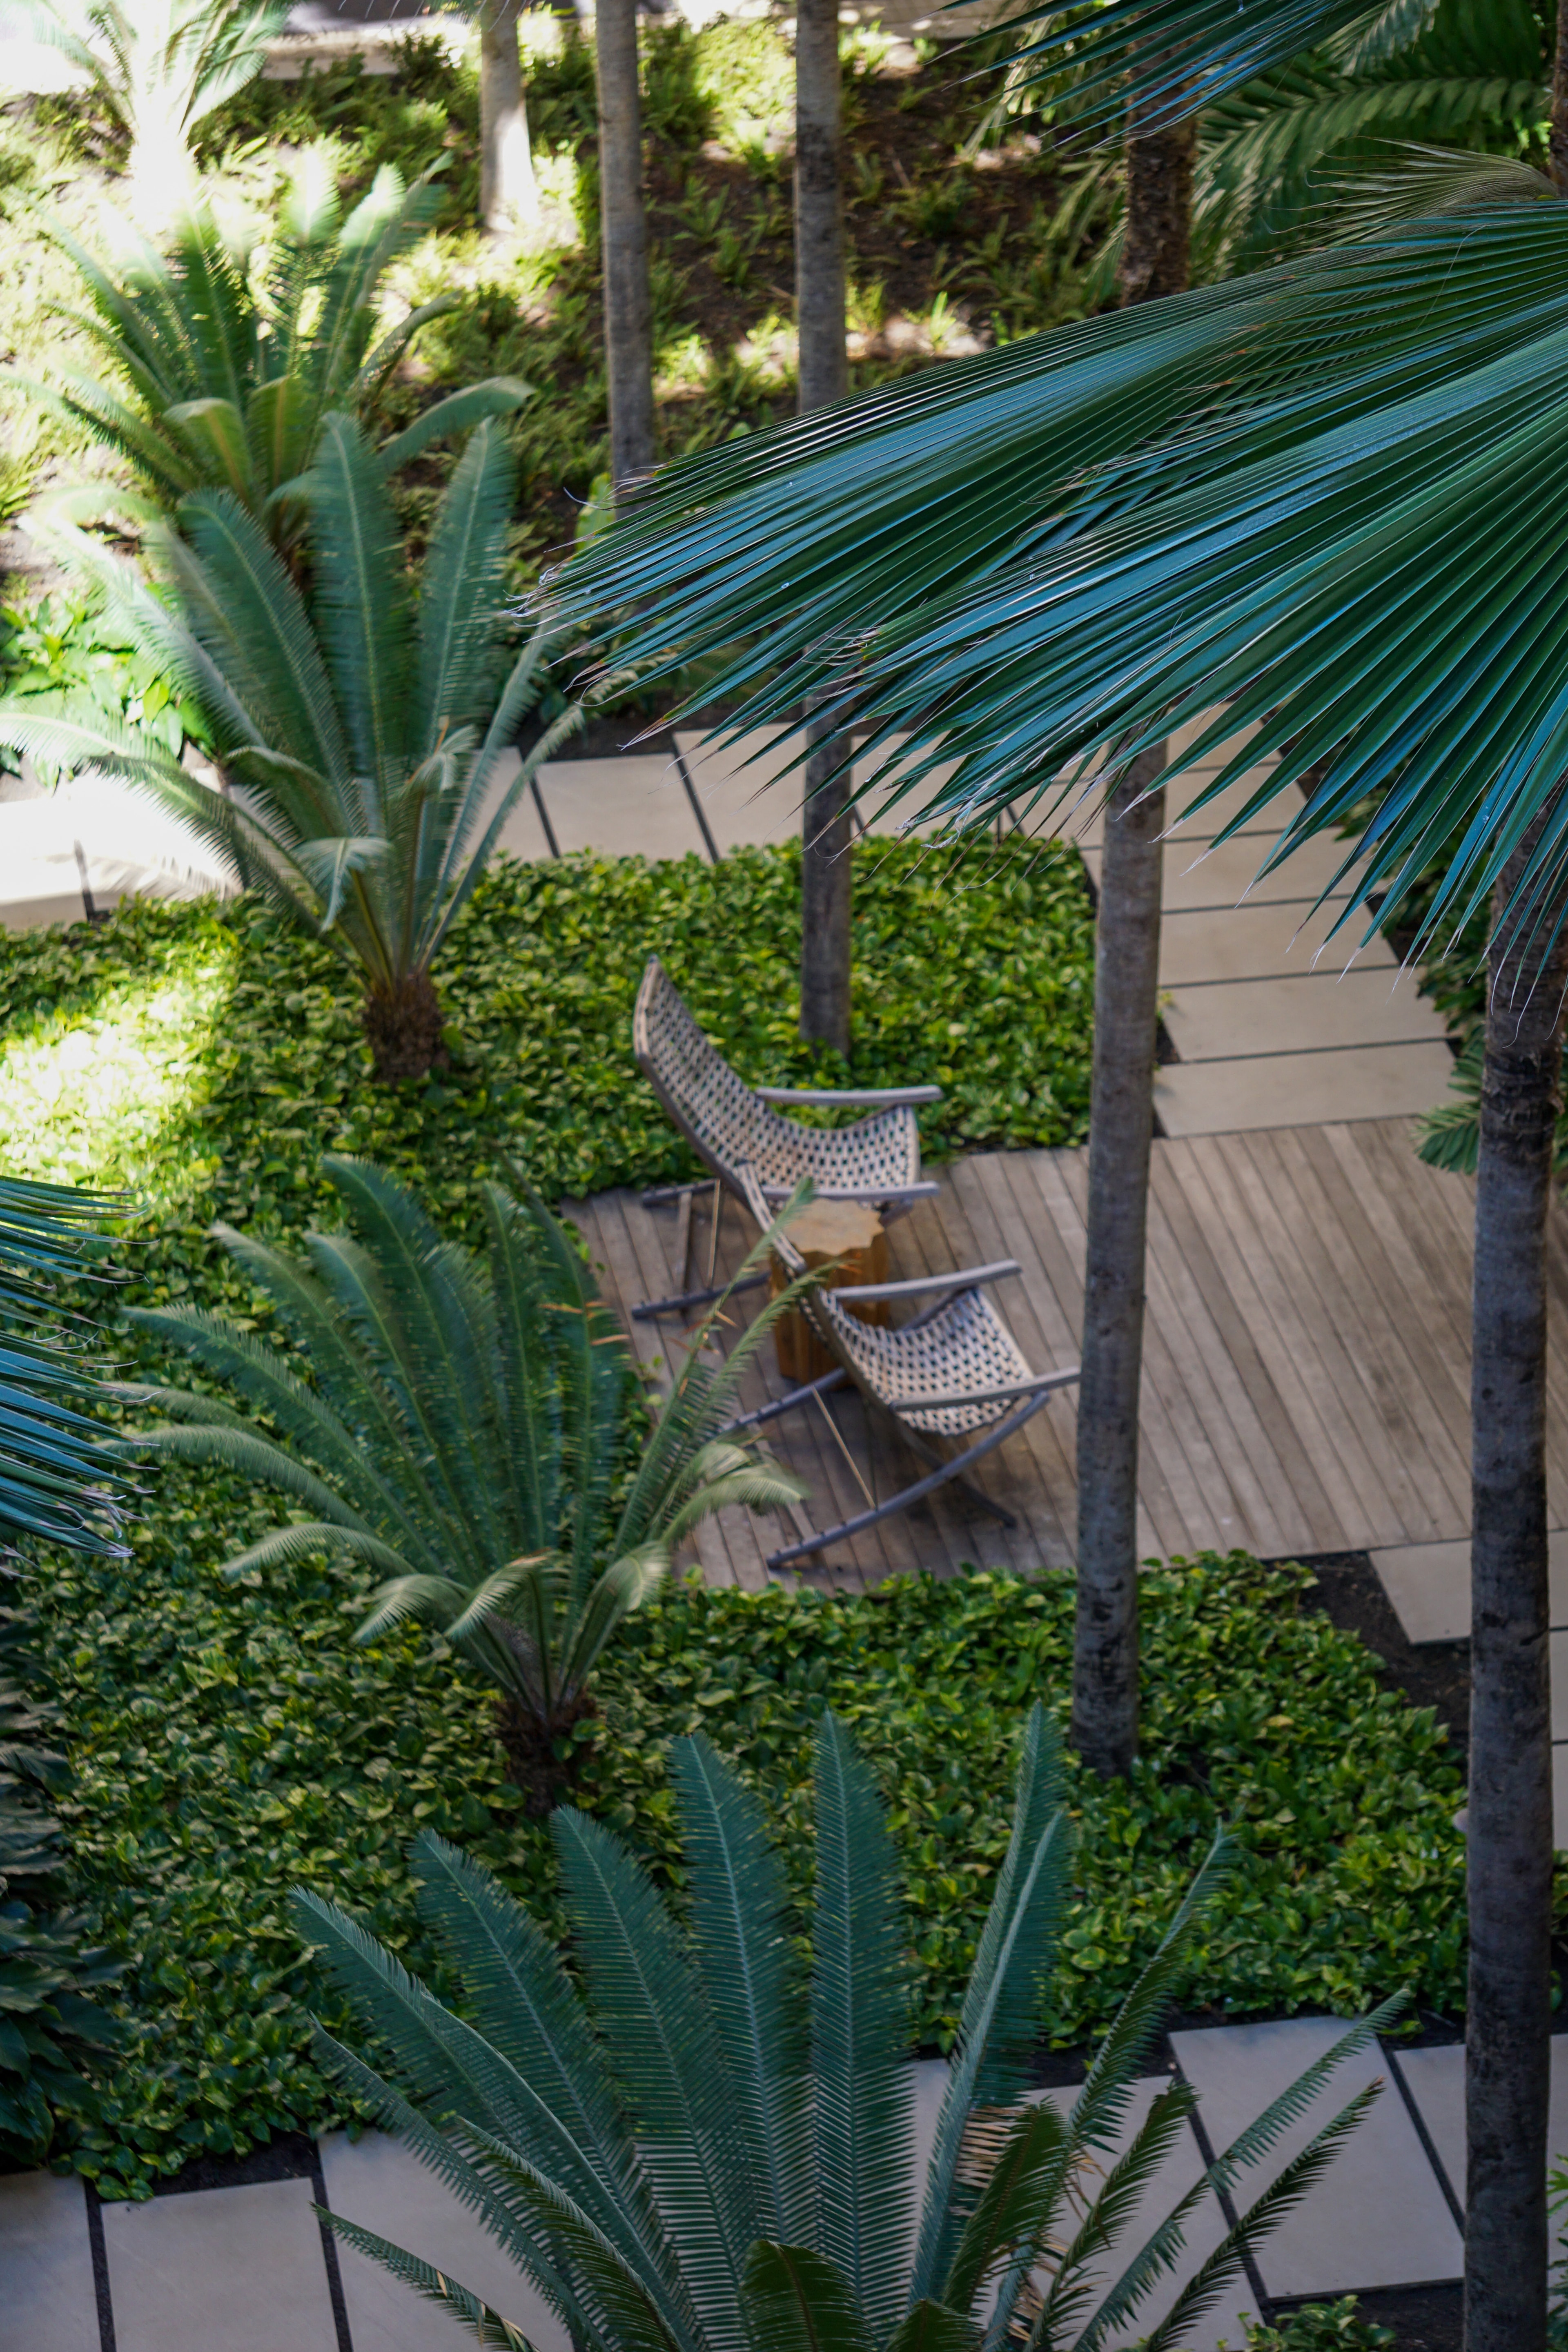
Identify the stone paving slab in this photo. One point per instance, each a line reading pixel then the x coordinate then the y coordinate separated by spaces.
pixel 1301 1089
pixel 45 2261
pixel 1224 875
pixel 220 2270
pixel 1216 1020
pixel 1436 2081
pixel 621 806
pixel 1221 943
pixel 751 793
pixel 379 2183
pixel 1377 2217
pixel 1429 1586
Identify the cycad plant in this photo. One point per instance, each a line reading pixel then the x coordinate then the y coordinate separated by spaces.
pixel 158 66
pixel 709 2147
pixel 361 727
pixel 471 1429
pixel 55 1484
pixel 223 363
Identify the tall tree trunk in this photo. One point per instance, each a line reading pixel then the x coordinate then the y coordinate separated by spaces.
pixel 1509 1828
pixel 628 309
pixel 1154 262
pixel 509 193
pixel 826 892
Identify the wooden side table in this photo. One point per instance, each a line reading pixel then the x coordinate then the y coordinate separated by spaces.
pixel 824 1230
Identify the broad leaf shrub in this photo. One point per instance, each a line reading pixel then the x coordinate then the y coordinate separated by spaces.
pixel 230 1742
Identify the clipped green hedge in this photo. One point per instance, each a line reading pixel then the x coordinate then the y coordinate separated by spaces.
pixel 231 1743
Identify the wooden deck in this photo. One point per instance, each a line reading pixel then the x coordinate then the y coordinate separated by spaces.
pixel 1306 1353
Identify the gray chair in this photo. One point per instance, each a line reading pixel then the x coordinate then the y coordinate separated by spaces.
pixel 952 1383
pixel 731 1126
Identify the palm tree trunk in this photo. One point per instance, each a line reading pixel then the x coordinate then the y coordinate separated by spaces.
pixel 1154 261
pixel 1508 1826
pixel 628 309
pixel 509 193
pixel 825 890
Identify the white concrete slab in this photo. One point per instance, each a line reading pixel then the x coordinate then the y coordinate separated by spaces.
pixel 522 834
pixel 1436 2081
pixel 49 2304
pixel 1214 1021
pixel 38 914
pixel 239 2268
pixel 750 792
pixel 1429 1586
pixel 1188 824
pixel 1195 875
pixel 379 2183
pixel 1345 1082
pixel 633 805
pixel 1377 2217
pixel 1220 943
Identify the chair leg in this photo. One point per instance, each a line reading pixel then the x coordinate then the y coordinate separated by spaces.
pixel 938 1477
pixel 835 1380
pixel 975 1494
pixel 647 1308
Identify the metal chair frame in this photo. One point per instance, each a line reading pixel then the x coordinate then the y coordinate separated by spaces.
pixel 966 1378
pixel 731 1125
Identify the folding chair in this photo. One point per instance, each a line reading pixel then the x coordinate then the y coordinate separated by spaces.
pixel 731 1125
pixel 953 1376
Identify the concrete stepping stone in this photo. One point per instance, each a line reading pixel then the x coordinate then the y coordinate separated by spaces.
pixel 1436 2082
pixel 239 2268
pixel 636 805
pixel 381 2184
pixel 1429 1586
pixel 1219 944
pixel 1085 823
pixel 1378 2216
pixel 1347 1082
pixel 49 2304
pixel 1197 876
pixel 751 793
pixel 1215 1021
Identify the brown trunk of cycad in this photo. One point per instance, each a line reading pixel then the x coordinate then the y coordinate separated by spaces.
pixel 403 1022
pixel 628 308
pixel 509 193
pixel 1154 261
pixel 1509 1822
pixel 825 888
pixel 527 1743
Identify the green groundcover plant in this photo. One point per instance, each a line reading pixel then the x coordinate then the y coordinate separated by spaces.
pixel 230 1741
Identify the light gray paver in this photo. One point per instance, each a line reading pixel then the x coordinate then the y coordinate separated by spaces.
pixel 1223 943
pixel 1429 1585
pixel 751 793
pixel 1225 875
pixel 1217 1020
pixel 1436 2081
pixel 620 806
pixel 1346 1082
pixel 237 2268
pixel 45 2260
pixel 385 2187
pixel 1377 2217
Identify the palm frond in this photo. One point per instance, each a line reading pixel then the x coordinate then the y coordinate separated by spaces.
pixel 362 611
pixel 434 2285
pixel 797 2300
pixel 497 395
pixel 462 591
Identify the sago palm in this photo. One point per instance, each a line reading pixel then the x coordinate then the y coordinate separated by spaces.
pixel 361 727
pixel 223 362
pixel 158 66
pixel 1328 496
pixel 55 1484
pixel 709 2147
pixel 471 1431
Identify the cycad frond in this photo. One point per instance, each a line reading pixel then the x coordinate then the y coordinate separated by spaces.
pixel 460 592
pixel 362 611
pixel 797 2300
pixel 487 2326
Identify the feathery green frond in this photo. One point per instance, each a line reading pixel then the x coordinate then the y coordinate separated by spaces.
pixel 797 2300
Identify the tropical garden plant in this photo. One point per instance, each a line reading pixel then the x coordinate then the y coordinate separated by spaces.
pixel 1286 495
pixel 361 727
pixel 469 1430
pixel 710 2144
pixel 55 1484
pixel 158 66
pixel 224 358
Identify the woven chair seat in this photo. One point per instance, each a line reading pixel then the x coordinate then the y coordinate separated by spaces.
pixel 964 1346
pixel 728 1127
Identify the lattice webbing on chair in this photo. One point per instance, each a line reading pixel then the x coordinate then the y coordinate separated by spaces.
pixel 965 1345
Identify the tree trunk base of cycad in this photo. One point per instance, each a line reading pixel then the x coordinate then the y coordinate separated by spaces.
pixel 1121 1126
pixel 404 1024
pixel 1508 1830
pixel 545 1778
pixel 825 896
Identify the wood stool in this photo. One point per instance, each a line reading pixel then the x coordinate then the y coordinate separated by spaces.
pixel 851 1232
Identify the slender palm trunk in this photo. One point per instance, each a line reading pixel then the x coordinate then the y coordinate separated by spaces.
pixel 509 193
pixel 628 309
pixel 1509 1827
pixel 825 879
pixel 1122 1115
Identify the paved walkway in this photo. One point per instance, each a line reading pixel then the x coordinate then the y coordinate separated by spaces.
pixel 249 2269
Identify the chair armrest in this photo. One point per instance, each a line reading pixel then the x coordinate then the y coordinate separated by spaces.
pixel 968 1277
pixel 870 1193
pixel 1045 1381
pixel 877 1098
